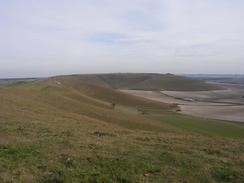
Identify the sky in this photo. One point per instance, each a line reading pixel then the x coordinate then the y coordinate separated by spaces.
pixel 52 37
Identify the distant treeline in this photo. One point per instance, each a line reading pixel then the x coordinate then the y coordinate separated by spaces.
pixel 8 81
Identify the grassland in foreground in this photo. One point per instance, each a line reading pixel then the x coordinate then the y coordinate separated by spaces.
pixel 52 132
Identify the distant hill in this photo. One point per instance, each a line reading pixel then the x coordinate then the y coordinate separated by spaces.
pixel 95 87
pixel 10 81
pixel 141 81
pixel 76 95
pixel 220 78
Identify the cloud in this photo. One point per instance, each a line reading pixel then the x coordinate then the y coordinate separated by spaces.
pixel 64 36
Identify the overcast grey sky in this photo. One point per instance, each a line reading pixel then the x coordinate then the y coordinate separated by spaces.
pixel 50 37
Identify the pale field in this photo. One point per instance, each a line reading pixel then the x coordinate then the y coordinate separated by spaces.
pixel 225 104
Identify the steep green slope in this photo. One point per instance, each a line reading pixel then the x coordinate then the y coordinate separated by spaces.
pixel 144 81
pixel 93 88
pixel 87 100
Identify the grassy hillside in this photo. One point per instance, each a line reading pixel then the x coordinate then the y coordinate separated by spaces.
pixel 204 126
pixel 144 81
pixel 16 80
pixel 64 130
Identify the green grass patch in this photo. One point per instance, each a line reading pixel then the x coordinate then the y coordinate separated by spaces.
pixel 226 174
pixel 93 170
pixel 204 126
pixel 108 170
pixel 18 151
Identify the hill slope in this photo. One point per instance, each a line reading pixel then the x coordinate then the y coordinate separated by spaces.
pixel 144 81
pixel 63 129
pixel 89 100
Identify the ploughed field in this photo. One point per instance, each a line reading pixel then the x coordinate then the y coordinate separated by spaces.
pixel 226 104
pixel 66 129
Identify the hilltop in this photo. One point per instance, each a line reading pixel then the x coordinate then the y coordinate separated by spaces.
pixel 141 81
